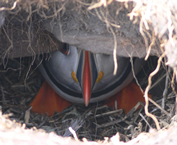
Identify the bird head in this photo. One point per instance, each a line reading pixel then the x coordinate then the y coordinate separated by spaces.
pixel 81 76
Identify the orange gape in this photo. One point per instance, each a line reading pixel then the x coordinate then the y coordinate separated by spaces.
pixel 47 101
pixel 127 98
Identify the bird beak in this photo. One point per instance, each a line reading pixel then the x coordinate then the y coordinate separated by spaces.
pixel 86 80
pixel 88 74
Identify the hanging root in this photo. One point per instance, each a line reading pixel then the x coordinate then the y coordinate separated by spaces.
pixel 147 89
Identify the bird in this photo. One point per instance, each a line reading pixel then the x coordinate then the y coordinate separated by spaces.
pixel 75 75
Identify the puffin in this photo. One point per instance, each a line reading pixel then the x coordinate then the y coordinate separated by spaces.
pixel 78 76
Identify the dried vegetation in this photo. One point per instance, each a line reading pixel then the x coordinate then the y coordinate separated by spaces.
pixel 157 21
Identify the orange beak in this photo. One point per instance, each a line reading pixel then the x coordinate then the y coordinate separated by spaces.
pixel 86 79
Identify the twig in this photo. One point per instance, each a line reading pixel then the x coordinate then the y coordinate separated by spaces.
pixel 73 133
pixel 157 81
pixel 43 122
pixel 153 102
pixel 165 90
pixel 108 113
pixel 173 88
pixel 134 75
pixel 110 123
pixel 145 120
pixel 133 109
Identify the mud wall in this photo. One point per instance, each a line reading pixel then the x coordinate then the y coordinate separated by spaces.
pixel 34 27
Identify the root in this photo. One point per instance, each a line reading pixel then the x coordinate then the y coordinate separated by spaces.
pixel 9 9
pixel 147 89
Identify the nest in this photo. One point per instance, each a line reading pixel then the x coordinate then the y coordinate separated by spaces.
pixel 20 83
pixel 127 28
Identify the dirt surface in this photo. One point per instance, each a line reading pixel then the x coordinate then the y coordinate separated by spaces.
pixel 14 133
pixel 130 28
pixel 27 32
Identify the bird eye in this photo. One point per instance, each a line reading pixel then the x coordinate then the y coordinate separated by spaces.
pixel 65 50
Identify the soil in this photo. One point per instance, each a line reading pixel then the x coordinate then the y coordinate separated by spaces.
pixel 131 29
pixel 26 33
